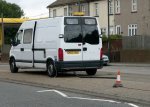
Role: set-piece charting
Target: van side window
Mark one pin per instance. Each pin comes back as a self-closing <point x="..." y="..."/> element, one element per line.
<point x="27" y="38"/>
<point x="18" y="37"/>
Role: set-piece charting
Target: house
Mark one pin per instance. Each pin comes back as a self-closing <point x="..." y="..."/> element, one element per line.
<point x="67" y="7"/>
<point x="134" y="17"/>
<point x="96" y="8"/>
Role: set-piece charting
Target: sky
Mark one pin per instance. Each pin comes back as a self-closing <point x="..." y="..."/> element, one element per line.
<point x="33" y="8"/>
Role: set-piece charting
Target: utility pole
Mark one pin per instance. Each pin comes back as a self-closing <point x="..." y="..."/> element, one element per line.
<point x="79" y="6"/>
<point x="108" y="29"/>
<point x="2" y="31"/>
<point x="2" y="24"/>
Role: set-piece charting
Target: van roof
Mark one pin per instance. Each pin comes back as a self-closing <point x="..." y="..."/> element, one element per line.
<point x="55" y="17"/>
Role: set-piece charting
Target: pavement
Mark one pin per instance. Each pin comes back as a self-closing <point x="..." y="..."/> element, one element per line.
<point x="131" y="64"/>
<point x="134" y="91"/>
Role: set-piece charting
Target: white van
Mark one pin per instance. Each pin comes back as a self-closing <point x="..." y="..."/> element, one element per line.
<point x="58" y="44"/>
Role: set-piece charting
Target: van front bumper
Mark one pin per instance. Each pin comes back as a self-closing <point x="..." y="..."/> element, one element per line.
<point x="78" y="65"/>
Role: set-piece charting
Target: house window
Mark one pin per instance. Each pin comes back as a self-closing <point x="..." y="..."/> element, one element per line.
<point x="117" y="6"/>
<point x="132" y="29"/>
<point x="70" y="11"/>
<point x="83" y="8"/>
<point x="65" y="12"/>
<point x="118" y="29"/>
<point x="96" y="9"/>
<point x="111" y="30"/>
<point x="134" y="5"/>
<point x="111" y="7"/>
<point x="54" y="13"/>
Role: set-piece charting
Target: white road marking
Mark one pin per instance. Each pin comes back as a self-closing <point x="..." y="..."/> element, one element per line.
<point x="56" y="91"/>
<point x="133" y="105"/>
<point x="80" y="98"/>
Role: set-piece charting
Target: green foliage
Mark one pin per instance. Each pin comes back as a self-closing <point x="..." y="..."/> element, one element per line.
<point x="111" y="37"/>
<point x="104" y="38"/>
<point x="9" y="34"/>
<point x="10" y="10"/>
<point x="114" y="37"/>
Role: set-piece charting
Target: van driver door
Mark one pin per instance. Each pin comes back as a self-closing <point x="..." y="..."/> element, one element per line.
<point x="26" y="50"/>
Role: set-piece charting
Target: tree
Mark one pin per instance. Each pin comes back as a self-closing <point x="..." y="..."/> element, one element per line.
<point x="10" y="10"/>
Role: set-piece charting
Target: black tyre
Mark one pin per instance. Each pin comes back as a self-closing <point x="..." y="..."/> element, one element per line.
<point x="91" y="71"/>
<point x="51" y="69"/>
<point x="13" y="67"/>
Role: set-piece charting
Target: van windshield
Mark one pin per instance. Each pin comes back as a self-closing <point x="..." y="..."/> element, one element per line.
<point x="85" y="31"/>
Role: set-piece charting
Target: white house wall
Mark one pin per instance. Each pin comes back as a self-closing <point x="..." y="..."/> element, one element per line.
<point x="59" y="11"/>
<point x="103" y="14"/>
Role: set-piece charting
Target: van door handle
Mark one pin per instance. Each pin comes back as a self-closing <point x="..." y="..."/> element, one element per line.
<point x="84" y="48"/>
<point x="21" y="49"/>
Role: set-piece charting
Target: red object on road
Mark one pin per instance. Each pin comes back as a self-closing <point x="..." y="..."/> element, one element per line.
<point x="118" y="81"/>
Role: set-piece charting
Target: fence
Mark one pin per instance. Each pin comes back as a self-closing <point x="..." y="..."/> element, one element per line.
<point x="115" y="47"/>
<point x="136" y="43"/>
<point x="135" y="49"/>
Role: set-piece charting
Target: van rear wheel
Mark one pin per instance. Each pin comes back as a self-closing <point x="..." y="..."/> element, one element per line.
<point x="13" y="67"/>
<point x="91" y="71"/>
<point x="51" y="69"/>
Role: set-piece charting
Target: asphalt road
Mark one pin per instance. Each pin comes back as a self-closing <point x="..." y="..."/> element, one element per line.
<point x="16" y="95"/>
<point x="134" y="78"/>
<point x="131" y="69"/>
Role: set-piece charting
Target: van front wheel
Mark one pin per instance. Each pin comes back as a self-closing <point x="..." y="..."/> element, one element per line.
<point x="51" y="69"/>
<point x="91" y="71"/>
<point x="13" y="67"/>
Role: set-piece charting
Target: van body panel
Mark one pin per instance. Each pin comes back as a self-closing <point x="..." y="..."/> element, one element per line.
<point x="72" y="52"/>
<point x="46" y="41"/>
<point x="16" y="53"/>
<point x="78" y="37"/>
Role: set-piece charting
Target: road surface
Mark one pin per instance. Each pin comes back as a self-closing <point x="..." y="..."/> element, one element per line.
<point x="136" y="85"/>
<point x="16" y="95"/>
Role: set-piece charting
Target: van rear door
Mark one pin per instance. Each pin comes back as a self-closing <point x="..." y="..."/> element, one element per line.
<point x="81" y="41"/>
<point x="91" y="40"/>
<point x="72" y="39"/>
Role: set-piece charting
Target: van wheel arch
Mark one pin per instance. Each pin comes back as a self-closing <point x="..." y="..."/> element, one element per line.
<point x="50" y="68"/>
<point x="12" y="63"/>
<point x="49" y="60"/>
<point x="11" y="58"/>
